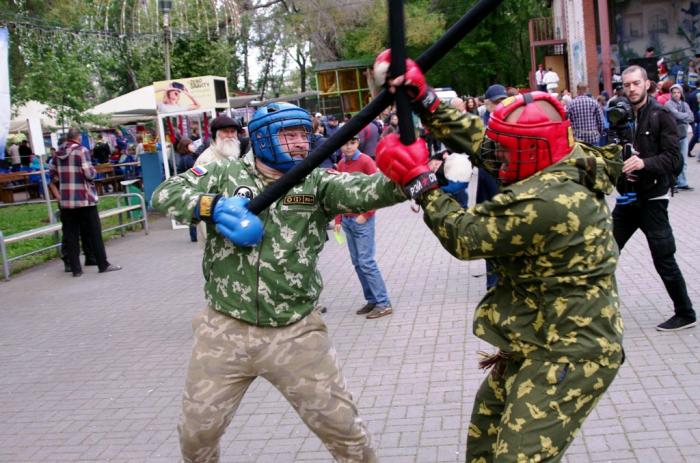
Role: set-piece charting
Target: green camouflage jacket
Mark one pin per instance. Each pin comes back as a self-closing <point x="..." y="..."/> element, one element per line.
<point x="275" y="283"/>
<point x="550" y="240"/>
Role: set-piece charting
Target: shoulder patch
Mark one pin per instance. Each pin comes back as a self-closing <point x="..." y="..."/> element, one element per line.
<point x="508" y="101"/>
<point x="199" y="170"/>
<point x="244" y="192"/>
<point x="299" y="199"/>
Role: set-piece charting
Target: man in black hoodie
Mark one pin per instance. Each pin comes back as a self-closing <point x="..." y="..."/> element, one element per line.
<point x="648" y="172"/>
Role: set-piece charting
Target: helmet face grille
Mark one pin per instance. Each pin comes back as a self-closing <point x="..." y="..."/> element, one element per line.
<point x="515" y="157"/>
<point x="282" y="145"/>
<point x="280" y="136"/>
<point x="492" y="161"/>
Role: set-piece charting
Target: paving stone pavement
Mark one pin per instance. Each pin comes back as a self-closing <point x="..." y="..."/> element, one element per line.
<point x="92" y="369"/>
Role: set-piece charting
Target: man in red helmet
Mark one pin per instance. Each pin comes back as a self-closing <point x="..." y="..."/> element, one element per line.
<point x="554" y="313"/>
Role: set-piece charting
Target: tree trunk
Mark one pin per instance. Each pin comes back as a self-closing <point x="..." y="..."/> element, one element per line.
<point x="245" y="31"/>
<point x="301" y="62"/>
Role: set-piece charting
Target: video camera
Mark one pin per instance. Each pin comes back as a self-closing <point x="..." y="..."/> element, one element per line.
<point x="620" y="132"/>
<point x="620" y="117"/>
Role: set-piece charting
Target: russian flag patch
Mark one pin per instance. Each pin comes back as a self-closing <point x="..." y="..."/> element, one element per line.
<point x="198" y="170"/>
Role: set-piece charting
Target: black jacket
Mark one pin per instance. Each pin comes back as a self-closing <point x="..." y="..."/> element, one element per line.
<point x="656" y="139"/>
<point x="101" y="152"/>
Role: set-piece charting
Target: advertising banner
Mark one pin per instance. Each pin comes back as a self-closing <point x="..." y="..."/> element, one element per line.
<point x="178" y="95"/>
<point x="4" y="90"/>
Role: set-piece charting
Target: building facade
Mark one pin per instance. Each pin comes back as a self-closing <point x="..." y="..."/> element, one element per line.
<point x="590" y="38"/>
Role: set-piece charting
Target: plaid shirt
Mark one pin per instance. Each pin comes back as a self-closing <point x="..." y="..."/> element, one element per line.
<point x="586" y="119"/>
<point x="73" y="169"/>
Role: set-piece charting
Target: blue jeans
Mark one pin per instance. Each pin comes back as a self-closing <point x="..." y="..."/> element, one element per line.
<point x="683" y="149"/>
<point x="361" y="246"/>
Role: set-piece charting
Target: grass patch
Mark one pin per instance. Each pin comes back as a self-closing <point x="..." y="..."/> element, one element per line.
<point x="21" y="217"/>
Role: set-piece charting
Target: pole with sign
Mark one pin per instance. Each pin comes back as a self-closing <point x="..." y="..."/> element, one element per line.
<point x="36" y="140"/>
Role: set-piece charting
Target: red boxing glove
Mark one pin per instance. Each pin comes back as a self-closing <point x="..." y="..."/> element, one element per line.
<point x="406" y="165"/>
<point x="416" y="86"/>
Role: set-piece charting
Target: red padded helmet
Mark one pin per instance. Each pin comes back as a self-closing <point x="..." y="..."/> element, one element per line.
<point x="531" y="132"/>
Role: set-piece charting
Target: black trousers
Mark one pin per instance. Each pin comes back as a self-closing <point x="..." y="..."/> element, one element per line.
<point x="652" y="218"/>
<point x="87" y="219"/>
<point x="84" y="241"/>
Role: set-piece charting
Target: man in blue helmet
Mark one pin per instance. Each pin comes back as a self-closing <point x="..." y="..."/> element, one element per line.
<point x="262" y="284"/>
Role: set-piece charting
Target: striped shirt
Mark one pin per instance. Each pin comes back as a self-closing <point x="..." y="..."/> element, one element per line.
<point x="73" y="169"/>
<point x="586" y="119"/>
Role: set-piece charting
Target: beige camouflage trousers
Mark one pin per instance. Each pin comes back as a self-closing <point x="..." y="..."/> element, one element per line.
<point x="529" y="411"/>
<point x="299" y="360"/>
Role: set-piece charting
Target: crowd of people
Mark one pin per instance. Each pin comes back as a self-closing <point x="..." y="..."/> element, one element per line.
<point x="20" y="157"/>
<point x="676" y="89"/>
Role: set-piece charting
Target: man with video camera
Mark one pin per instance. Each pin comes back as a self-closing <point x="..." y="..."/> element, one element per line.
<point x="651" y="161"/>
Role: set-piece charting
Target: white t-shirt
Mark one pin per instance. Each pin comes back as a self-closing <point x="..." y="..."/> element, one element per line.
<point x="14" y="154"/>
<point x="551" y="80"/>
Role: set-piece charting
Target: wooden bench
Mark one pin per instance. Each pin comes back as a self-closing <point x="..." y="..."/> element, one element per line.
<point x="55" y="228"/>
<point x="110" y="178"/>
<point x="14" y="182"/>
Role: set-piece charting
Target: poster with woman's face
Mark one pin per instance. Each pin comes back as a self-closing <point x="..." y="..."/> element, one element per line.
<point x="188" y="94"/>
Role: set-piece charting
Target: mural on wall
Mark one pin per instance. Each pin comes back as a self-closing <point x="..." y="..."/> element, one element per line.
<point x="671" y="27"/>
<point x="689" y="27"/>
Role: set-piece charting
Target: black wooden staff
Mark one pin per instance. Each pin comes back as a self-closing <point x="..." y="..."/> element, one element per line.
<point x="425" y="61"/>
<point x="407" y="133"/>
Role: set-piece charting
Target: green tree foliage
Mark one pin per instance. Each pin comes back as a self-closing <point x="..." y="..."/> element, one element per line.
<point x="53" y="59"/>
<point x="56" y="75"/>
<point x="423" y="27"/>
<point x="497" y="51"/>
<point x="73" y="54"/>
<point x="199" y="56"/>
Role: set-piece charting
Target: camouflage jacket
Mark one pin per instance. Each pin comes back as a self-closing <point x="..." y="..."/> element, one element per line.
<point x="275" y="283"/>
<point x="550" y="240"/>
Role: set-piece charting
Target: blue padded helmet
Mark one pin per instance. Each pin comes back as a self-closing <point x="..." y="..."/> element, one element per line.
<point x="264" y="130"/>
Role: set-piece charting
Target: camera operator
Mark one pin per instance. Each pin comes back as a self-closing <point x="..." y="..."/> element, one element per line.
<point x="649" y="170"/>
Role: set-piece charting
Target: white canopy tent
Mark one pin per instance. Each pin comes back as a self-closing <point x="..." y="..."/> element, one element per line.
<point x="139" y="105"/>
<point x="34" y="110"/>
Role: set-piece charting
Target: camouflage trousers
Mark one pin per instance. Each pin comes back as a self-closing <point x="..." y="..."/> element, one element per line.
<point x="527" y="411"/>
<point x="299" y="360"/>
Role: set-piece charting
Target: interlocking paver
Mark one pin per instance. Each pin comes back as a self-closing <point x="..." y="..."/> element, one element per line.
<point x="92" y="369"/>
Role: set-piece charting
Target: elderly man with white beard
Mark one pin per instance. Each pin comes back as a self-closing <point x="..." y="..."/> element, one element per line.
<point x="225" y="144"/>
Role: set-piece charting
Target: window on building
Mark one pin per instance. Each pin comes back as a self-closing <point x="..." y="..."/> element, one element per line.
<point x="658" y="22"/>
<point x="344" y="90"/>
<point x="348" y="79"/>
<point x="634" y="22"/>
<point x="327" y="82"/>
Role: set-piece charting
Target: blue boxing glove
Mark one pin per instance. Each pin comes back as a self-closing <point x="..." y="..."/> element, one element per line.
<point x="232" y="218"/>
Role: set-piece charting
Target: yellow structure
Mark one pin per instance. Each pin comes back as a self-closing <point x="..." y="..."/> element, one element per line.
<point x="343" y="87"/>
